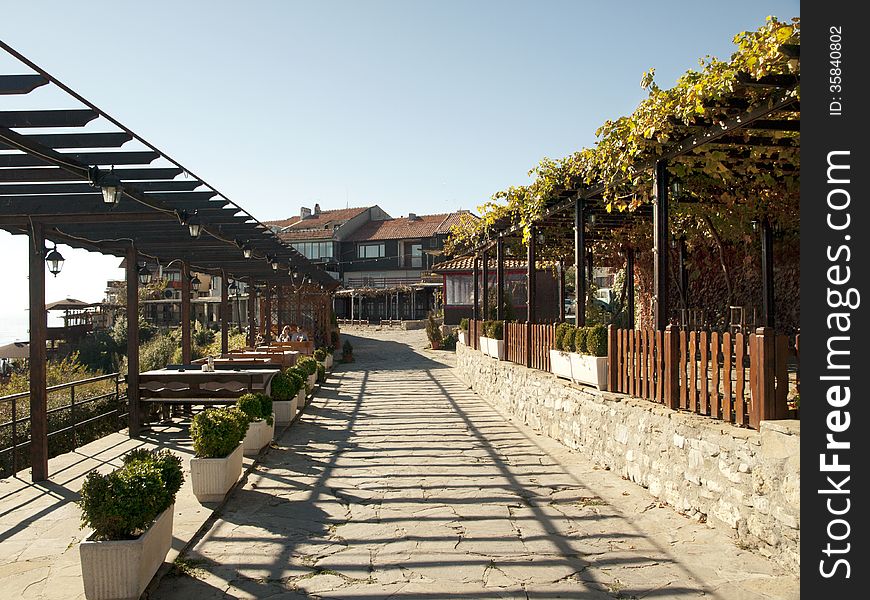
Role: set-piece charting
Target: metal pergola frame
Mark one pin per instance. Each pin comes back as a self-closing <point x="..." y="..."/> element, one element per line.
<point x="52" y="163"/>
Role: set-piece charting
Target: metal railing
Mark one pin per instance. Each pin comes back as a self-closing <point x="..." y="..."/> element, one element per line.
<point x="73" y="418"/>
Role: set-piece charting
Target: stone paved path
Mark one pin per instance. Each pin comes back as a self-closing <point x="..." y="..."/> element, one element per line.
<point x="401" y="483"/>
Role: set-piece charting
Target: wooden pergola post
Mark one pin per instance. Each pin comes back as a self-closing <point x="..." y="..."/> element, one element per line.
<point x="661" y="238"/>
<point x="252" y="317"/>
<point x="38" y="332"/>
<point x="475" y="311"/>
<point x="499" y="279"/>
<point x="279" y="300"/>
<point x="579" y="263"/>
<point x="225" y="321"/>
<point x="561" y="268"/>
<point x="485" y="275"/>
<point x="267" y="308"/>
<point x="768" y="306"/>
<point x="629" y="281"/>
<point x="531" y="296"/>
<point x="185" y="314"/>
<point x="134" y="416"/>
<point x="684" y="272"/>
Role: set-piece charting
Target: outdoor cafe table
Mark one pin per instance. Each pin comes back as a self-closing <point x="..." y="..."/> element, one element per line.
<point x="286" y="358"/>
<point x="190" y="385"/>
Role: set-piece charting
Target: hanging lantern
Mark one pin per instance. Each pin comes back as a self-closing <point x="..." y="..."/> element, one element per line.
<point x="54" y="260"/>
<point x="144" y="275"/>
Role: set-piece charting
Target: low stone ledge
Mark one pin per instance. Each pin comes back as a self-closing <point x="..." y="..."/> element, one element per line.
<point x="742" y="479"/>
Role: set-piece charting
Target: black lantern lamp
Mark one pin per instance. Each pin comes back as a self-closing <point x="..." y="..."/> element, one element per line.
<point x="194" y="281"/>
<point x="109" y="185"/>
<point x="144" y="275"/>
<point x="54" y="260"/>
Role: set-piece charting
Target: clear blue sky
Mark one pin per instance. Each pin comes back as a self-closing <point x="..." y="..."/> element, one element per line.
<point x="415" y="106"/>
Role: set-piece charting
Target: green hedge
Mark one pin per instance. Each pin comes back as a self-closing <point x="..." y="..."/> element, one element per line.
<point x="216" y="432"/>
<point x="590" y="340"/>
<point x="124" y="503"/>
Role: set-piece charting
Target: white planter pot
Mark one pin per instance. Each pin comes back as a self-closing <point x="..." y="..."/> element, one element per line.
<point x="123" y="569"/>
<point x="312" y="380"/>
<point x="328" y="362"/>
<point x="212" y="478"/>
<point x="463" y="338"/>
<point x="591" y="370"/>
<point x="301" y="399"/>
<point x="560" y="364"/>
<point x="258" y="437"/>
<point x="285" y="410"/>
<point x="492" y="347"/>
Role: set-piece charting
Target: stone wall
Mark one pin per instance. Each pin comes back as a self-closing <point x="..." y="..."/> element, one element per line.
<point x="745" y="480"/>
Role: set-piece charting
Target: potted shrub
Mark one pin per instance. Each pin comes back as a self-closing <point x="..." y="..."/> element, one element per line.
<point x="433" y="332"/>
<point x="347" y="352"/>
<point x="463" y="332"/>
<point x="493" y="343"/>
<point x="130" y="511"/>
<point x="321" y="373"/>
<point x="217" y="434"/>
<point x="589" y="360"/>
<point x="261" y="425"/>
<point x="309" y="366"/>
<point x="300" y="379"/>
<point x="285" y="400"/>
<point x="560" y="360"/>
<point x="322" y="356"/>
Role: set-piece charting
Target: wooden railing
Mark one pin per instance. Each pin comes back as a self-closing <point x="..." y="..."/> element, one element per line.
<point x="742" y="379"/>
<point x="733" y="377"/>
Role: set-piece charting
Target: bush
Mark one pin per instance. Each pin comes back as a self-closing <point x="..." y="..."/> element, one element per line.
<point x="449" y="342"/>
<point x="497" y="330"/>
<point x="158" y="352"/>
<point x="97" y="351"/>
<point x="580" y="339"/>
<point x="596" y="340"/>
<point x="124" y="503"/>
<point x="256" y="406"/>
<point x="216" y="432"/>
<point x="203" y="337"/>
<point x="433" y="332"/>
<point x="298" y="378"/>
<point x="463" y="325"/>
<point x="568" y="339"/>
<point x="307" y="364"/>
<point x="321" y="373"/>
<point x="561" y="330"/>
<point x="166" y="461"/>
<point x="283" y="386"/>
<point x="320" y="354"/>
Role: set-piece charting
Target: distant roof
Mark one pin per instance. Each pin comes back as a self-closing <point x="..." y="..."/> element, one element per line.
<point x="69" y="304"/>
<point x="465" y="263"/>
<point x="420" y="226"/>
<point x="323" y="220"/>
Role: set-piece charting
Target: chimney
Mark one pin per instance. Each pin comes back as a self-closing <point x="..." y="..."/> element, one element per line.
<point x="412" y="216"/>
<point x="316" y="209"/>
<point x="305" y="213"/>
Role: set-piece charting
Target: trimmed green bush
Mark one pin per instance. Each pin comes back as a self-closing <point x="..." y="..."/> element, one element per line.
<point x="568" y="339"/>
<point x="320" y="354"/>
<point x="580" y="339"/>
<point x="298" y="378"/>
<point x="307" y="364"/>
<point x="124" y="503"/>
<point x="250" y="405"/>
<point x="497" y="330"/>
<point x="265" y="407"/>
<point x="321" y="373"/>
<point x="463" y="325"/>
<point x="596" y="340"/>
<point x="282" y="387"/>
<point x="347" y="348"/>
<point x="561" y="329"/>
<point x="216" y="432"/>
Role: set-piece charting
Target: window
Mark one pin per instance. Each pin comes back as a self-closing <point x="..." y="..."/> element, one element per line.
<point x="315" y="250"/>
<point x="370" y="251"/>
<point x="416" y="256"/>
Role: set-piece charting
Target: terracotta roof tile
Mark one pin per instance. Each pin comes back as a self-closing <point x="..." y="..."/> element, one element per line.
<point x="325" y="219"/>
<point x="422" y="226"/>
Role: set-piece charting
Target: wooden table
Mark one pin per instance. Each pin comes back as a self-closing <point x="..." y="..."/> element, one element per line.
<point x="189" y="385"/>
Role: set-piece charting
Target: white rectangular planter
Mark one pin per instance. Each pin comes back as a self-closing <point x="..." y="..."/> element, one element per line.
<point x="560" y="364"/>
<point x="312" y="380"/>
<point x="258" y="437"/>
<point x="591" y="370"/>
<point x="301" y="399"/>
<point x="328" y="362"/>
<point x="463" y="338"/>
<point x="123" y="569"/>
<point x="212" y="478"/>
<point x="285" y="410"/>
<point x="492" y="347"/>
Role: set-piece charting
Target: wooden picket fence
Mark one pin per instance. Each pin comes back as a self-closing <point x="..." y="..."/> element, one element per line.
<point x="516" y="341"/>
<point x="741" y="379"/>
